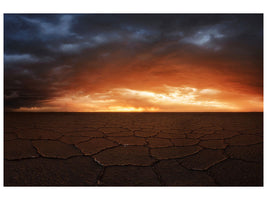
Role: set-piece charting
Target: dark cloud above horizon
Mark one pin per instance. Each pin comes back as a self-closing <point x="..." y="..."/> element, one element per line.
<point x="51" y="56"/>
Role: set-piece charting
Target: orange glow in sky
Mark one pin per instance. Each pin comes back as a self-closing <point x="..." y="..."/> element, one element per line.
<point x="172" y="99"/>
<point x="133" y="63"/>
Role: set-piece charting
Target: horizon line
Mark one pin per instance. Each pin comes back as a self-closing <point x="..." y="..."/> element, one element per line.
<point x="134" y="112"/>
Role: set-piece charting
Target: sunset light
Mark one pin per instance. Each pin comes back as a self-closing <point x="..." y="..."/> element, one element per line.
<point x="128" y="100"/>
<point x="133" y="100"/>
<point x="133" y="65"/>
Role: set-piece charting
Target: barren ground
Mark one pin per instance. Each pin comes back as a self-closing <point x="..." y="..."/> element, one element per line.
<point x="133" y="149"/>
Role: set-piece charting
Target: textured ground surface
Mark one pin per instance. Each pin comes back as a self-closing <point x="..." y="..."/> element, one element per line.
<point x="133" y="149"/>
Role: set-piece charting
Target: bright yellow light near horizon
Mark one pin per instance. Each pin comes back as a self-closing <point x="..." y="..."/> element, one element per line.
<point x="129" y="100"/>
<point x="131" y="109"/>
<point x="124" y="109"/>
<point x="176" y="96"/>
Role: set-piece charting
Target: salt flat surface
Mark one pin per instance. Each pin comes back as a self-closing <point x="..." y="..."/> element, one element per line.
<point x="133" y="149"/>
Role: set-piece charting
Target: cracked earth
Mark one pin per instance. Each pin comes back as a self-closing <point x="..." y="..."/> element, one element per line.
<point x="133" y="149"/>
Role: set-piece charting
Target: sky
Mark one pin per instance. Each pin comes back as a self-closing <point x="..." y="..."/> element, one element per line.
<point x="133" y="62"/>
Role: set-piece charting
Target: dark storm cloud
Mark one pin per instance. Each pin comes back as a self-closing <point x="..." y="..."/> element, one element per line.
<point x="47" y="55"/>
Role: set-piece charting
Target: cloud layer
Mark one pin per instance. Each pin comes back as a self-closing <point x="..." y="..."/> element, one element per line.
<point x="113" y="62"/>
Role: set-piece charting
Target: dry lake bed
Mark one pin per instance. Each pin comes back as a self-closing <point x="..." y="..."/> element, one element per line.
<point x="133" y="149"/>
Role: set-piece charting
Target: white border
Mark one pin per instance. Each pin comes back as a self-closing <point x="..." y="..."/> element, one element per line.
<point x="134" y="6"/>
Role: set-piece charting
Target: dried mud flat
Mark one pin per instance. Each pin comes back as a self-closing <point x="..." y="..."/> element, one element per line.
<point x="133" y="149"/>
